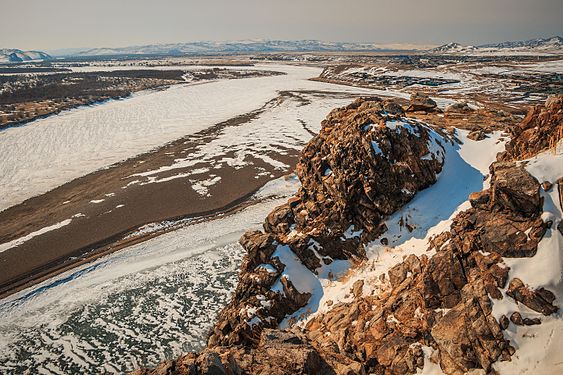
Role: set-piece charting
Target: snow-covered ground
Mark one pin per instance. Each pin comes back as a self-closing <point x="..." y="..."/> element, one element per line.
<point x="539" y="347"/>
<point x="49" y="152"/>
<point x="472" y="85"/>
<point x="282" y="127"/>
<point x="107" y="314"/>
<point x="19" y="241"/>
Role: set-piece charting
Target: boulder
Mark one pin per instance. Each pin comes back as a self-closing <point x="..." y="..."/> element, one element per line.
<point x="513" y="188"/>
<point x="392" y="107"/>
<point x="458" y="107"/>
<point x="477" y="135"/>
<point x="540" y="300"/>
<point x="421" y="102"/>
<point x="468" y="336"/>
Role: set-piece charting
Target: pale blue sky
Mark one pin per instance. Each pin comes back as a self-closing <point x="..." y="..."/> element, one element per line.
<point x="52" y="24"/>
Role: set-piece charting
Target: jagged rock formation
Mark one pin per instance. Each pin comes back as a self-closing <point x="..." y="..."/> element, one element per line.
<point x="361" y="167"/>
<point x="540" y="130"/>
<point x="439" y="301"/>
<point x="278" y="352"/>
<point x="459" y="108"/>
<point x="462" y="276"/>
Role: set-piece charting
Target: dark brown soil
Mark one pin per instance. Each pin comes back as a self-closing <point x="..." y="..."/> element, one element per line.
<point x="103" y="227"/>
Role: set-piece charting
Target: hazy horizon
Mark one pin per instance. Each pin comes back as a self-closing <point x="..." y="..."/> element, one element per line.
<point x="65" y="24"/>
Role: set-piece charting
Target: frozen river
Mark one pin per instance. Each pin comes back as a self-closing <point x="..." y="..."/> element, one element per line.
<point x="139" y="306"/>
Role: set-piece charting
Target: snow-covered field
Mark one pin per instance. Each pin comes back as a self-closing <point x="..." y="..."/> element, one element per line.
<point x="281" y="128"/>
<point x="49" y="152"/>
<point x="88" y="320"/>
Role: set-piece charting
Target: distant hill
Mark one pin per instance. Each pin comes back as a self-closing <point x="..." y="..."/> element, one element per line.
<point x="540" y="45"/>
<point x="16" y="55"/>
<point x="453" y="48"/>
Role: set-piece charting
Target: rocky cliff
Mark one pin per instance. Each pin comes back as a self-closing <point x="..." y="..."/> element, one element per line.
<point x="446" y="307"/>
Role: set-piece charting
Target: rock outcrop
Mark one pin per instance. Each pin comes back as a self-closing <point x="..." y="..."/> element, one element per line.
<point x="421" y="102"/>
<point x="363" y="165"/>
<point x="278" y="352"/>
<point x="444" y="301"/>
<point x="461" y="107"/>
<point x="540" y="130"/>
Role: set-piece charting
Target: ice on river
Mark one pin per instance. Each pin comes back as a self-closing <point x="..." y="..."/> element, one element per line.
<point x="136" y="307"/>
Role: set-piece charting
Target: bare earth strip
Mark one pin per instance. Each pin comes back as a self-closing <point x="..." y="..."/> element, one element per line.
<point x="197" y="176"/>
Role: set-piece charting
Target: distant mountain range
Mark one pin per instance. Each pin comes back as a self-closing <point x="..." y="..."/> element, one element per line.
<point x="538" y="45"/>
<point x="553" y="44"/>
<point x="532" y="46"/>
<point x="542" y="43"/>
<point x="16" y="55"/>
<point x="247" y="46"/>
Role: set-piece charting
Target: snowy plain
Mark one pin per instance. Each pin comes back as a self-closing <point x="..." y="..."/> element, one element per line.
<point x="49" y="152"/>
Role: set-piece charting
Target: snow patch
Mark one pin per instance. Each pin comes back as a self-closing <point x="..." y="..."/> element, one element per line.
<point x="14" y="243"/>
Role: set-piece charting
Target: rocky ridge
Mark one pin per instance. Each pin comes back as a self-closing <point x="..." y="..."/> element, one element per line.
<point x="364" y="164"/>
<point x="443" y="301"/>
<point x="437" y="306"/>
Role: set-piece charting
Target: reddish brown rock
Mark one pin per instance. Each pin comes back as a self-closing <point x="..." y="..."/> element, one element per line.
<point x="539" y="300"/>
<point x="477" y="135"/>
<point x="353" y="174"/>
<point x="443" y="280"/>
<point x="504" y="322"/>
<point x="480" y="199"/>
<point x="392" y="107"/>
<point x="382" y="333"/>
<point x="541" y="130"/>
<point x="459" y="108"/>
<point x="515" y="189"/>
<point x="468" y="336"/>
<point x="546" y="185"/>
<point x="278" y="352"/>
<point x="358" y="288"/>
<point x="421" y="102"/>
